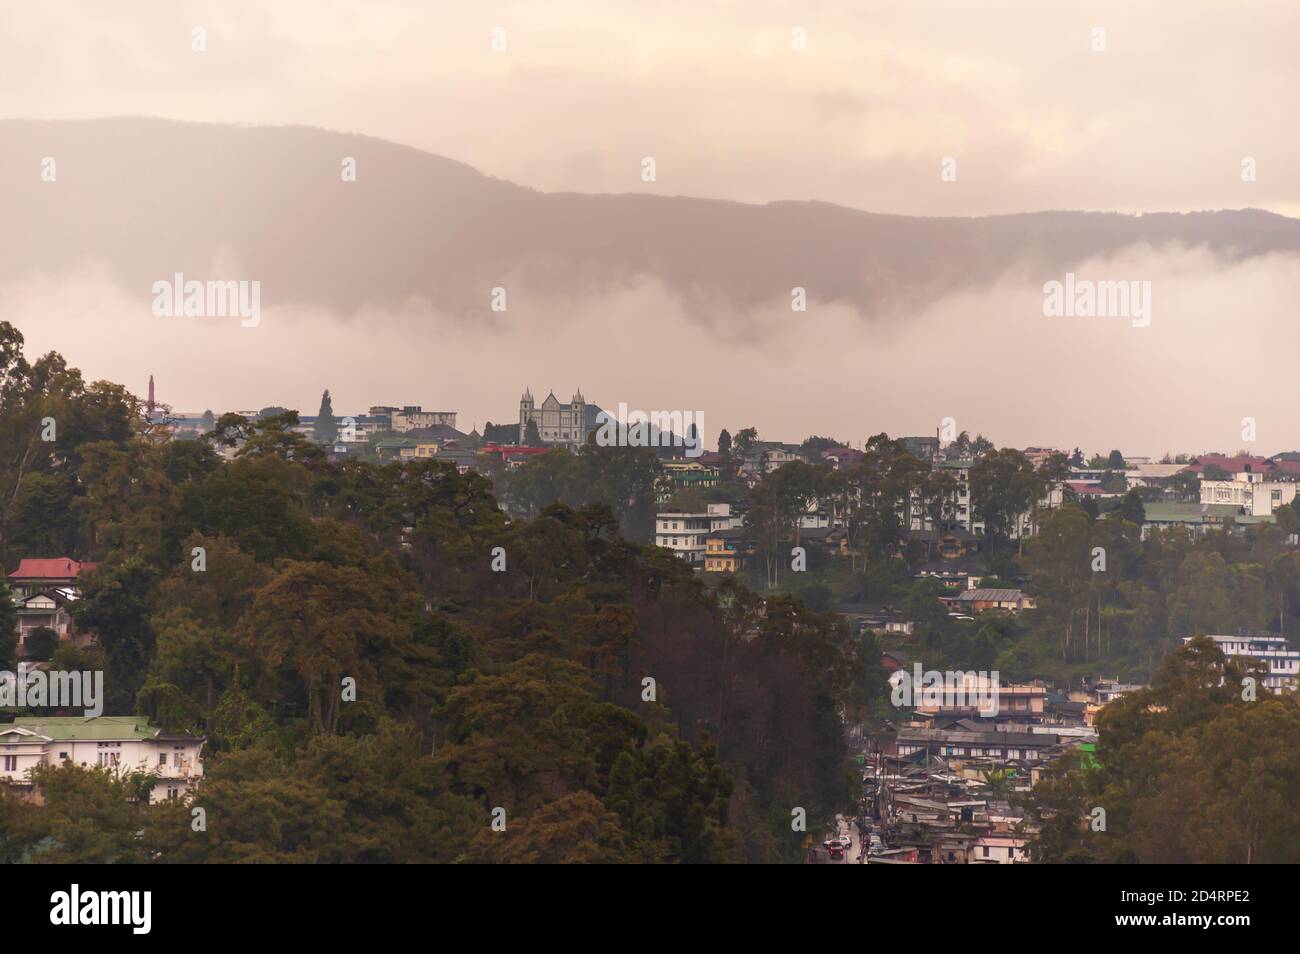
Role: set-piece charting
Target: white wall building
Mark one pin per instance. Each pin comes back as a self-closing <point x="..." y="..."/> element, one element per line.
<point x="1282" y="661"/>
<point x="684" y="533"/>
<point x="1256" y="496"/>
<point x="123" y="744"/>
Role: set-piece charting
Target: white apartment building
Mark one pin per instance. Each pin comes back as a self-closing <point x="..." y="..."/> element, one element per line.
<point x="962" y="508"/>
<point x="684" y="533"/>
<point x="1282" y="661"/>
<point x="123" y="744"/>
<point x="1252" y="493"/>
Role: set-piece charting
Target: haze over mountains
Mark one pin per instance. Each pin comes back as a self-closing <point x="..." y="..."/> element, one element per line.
<point x="658" y="301"/>
<point x="152" y="197"/>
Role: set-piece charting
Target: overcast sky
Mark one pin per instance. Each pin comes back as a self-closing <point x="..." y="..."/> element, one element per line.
<point x="1017" y="93"/>
<point x="715" y="91"/>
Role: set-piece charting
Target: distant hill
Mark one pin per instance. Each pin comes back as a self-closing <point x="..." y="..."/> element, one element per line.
<point x="150" y="197"/>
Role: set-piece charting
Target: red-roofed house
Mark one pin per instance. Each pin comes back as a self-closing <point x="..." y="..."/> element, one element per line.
<point x="44" y="591"/>
<point x="1245" y="464"/>
<point x="58" y="571"/>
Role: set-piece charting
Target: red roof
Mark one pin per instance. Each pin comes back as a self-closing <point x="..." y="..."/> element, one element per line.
<point x="1231" y="465"/>
<point x="1085" y="487"/>
<point x="58" y="568"/>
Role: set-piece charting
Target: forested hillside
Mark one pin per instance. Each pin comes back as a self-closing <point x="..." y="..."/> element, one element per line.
<point x="590" y="687"/>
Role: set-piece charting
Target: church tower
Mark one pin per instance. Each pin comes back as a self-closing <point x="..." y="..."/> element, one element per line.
<point x="578" y="405"/>
<point x="525" y="413"/>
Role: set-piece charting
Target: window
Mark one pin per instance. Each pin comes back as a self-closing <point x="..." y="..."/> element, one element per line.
<point x="11" y="763"/>
<point x="162" y="758"/>
<point x="63" y="756"/>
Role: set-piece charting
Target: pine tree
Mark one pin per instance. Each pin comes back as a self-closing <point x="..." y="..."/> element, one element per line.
<point x="327" y="428"/>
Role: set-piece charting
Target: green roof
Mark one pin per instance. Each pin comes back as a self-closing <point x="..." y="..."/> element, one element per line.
<point x="1158" y="512"/>
<point x="88" y="728"/>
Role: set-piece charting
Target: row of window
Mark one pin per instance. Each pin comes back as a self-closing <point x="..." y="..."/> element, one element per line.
<point x="106" y="759"/>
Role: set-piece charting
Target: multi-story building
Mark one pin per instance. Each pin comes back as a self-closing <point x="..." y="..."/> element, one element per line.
<point x="1022" y="703"/>
<point x="123" y="744"/>
<point x="415" y="418"/>
<point x="685" y="533"/>
<point x="1268" y="649"/>
<point x="687" y="473"/>
<point x="1254" y="494"/>
<point x="724" y="550"/>
<point x="960" y="512"/>
<point x="962" y="744"/>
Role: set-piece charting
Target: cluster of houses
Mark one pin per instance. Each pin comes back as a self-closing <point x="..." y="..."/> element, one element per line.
<point x="43" y="591"/>
<point x="945" y="783"/>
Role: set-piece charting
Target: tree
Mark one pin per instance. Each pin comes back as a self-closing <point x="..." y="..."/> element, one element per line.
<point x="8" y="628"/>
<point x="41" y="643"/>
<point x="1004" y="485"/>
<point x="532" y="437"/>
<point x="1162" y="759"/>
<point x="115" y="605"/>
<point x="724" y="442"/>
<point x="1131" y="508"/>
<point x="327" y="427"/>
<point x="1115" y="460"/>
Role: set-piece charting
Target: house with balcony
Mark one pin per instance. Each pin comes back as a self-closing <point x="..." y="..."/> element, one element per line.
<point x="121" y="744"/>
<point x="685" y="533"/>
<point x="44" y="592"/>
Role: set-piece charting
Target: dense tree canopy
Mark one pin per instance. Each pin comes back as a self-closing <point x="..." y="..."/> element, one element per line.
<point x="381" y="657"/>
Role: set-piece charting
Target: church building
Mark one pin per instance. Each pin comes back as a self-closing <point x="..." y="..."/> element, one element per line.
<point x="559" y="425"/>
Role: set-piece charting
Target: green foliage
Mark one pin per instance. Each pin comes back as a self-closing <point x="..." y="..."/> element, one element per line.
<point x="1188" y="772"/>
<point x="327" y="426"/>
<point x="475" y="689"/>
<point x="41" y="643"/>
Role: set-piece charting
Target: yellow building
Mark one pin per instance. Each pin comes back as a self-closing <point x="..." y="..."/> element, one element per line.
<point x="722" y="551"/>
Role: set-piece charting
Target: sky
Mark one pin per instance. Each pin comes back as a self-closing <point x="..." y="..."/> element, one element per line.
<point x="1129" y="106"/>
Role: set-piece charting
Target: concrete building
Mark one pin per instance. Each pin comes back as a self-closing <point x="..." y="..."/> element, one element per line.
<point x="122" y="744"/>
<point x="1254" y="495"/>
<point x="414" y="418"/>
<point x="1270" y="650"/>
<point x="686" y="533"/>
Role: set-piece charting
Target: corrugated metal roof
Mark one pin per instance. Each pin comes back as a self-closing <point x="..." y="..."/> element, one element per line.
<point x="993" y="595"/>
